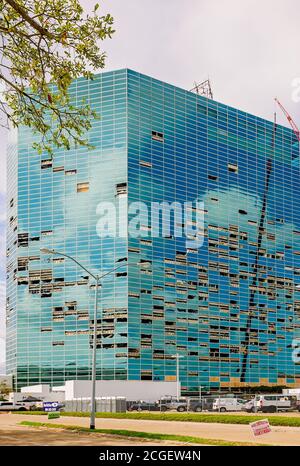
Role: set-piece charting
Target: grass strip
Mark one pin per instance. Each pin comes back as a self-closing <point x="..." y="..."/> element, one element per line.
<point x="143" y="435"/>
<point x="286" y="421"/>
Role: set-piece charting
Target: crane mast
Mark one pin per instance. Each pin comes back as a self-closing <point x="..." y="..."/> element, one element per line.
<point x="290" y="120"/>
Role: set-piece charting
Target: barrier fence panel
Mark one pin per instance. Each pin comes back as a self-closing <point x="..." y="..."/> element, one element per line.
<point x="103" y="405"/>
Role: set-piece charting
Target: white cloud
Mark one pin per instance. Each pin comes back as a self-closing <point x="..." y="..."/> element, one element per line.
<point x="247" y="48"/>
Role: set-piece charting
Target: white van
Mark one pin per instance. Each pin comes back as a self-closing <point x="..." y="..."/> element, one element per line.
<point x="228" y="404"/>
<point x="270" y="404"/>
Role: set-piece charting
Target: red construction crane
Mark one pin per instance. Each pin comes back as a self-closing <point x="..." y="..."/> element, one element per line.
<point x="290" y="120"/>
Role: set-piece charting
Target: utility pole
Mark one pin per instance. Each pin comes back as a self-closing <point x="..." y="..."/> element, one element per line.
<point x="178" y="356"/>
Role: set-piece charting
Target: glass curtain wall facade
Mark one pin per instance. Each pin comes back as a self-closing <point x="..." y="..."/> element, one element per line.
<point x="53" y="204"/>
<point x="229" y="309"/>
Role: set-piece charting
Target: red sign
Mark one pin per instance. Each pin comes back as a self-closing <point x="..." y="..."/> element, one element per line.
<point x="260" y="427"/>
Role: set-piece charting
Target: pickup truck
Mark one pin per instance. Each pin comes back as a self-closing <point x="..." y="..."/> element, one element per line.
<point x="8" y="406"/>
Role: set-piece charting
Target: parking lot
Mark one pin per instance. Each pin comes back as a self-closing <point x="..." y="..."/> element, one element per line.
<point x="267" y="403"/>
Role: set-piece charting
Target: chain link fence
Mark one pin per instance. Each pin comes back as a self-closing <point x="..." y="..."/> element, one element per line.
<point x="219" y="403"/>
<point x="103" y="405"/>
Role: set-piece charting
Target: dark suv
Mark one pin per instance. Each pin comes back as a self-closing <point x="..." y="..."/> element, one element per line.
<point x="143" y="406"/>
<point x="197" y="406"/>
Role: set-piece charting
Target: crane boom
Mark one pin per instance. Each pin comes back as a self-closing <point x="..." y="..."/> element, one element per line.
<point x="290" y="120"/>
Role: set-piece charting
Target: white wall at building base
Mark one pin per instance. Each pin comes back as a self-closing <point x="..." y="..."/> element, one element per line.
<point x="42" y="389"/>
<point x="132" y="390"/>
<point x="42" y="392"/>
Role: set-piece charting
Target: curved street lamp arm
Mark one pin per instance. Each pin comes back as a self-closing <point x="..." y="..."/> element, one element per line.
<point x="96" y="277"/>
<point x="76" y="262"/>
<point x="111" y="271"/>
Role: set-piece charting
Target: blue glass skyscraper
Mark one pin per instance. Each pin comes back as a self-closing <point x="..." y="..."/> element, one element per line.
<point x="228" y="305"/>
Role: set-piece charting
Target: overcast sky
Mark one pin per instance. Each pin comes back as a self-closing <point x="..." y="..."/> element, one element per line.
<point x="248" y="48"/>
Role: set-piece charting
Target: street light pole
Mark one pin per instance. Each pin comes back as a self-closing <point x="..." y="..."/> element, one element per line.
<point x="177" y="356"/>
<point x="177" y="376"/>
<point x="200" y="391"/>
<point x="97" y="279"/>
<point x="93" y="399"/>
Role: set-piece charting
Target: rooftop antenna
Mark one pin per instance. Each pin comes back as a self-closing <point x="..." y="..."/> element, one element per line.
<point x="203" y="88"/>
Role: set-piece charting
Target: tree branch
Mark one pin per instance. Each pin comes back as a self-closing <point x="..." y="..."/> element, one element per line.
<point x="22" y="12"/>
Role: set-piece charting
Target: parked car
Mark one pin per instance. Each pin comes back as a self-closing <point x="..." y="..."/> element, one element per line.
<point x="9" y="406"/>
<point x="32" y="403"/>
<point x="204" y="404"/>
<point x="174" y="403"/>
<point x="195" y="405"/>
<point x="181" y="406"/>
<point x="228" y="404"/>
<point x="144" y="406"/>
<point x="189" y="405"/>
<point x="252" y="406"/>
<point x="271" y="404"/>
<point x="36" y="407"/>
